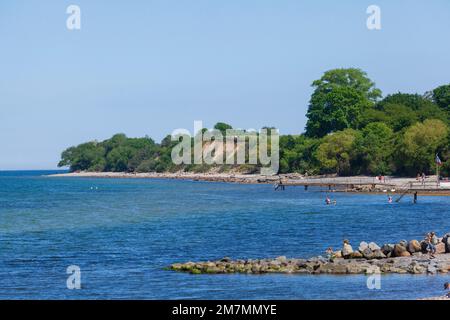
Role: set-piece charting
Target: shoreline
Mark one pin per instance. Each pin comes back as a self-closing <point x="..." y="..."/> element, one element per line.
<point x="352" y="184"/>
<point x="212" y="177"/>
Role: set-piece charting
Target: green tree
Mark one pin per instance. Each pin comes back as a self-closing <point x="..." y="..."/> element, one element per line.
<point x="419" y="144"/>
<point x="441" y="96"/>
<point x="335" y="151"/>
<point x="87" y="156"/>
<point x="339" y="100"/>
<point x="374" y="148"/>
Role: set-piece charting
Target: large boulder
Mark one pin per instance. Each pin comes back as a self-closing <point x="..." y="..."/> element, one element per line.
<point x="405" y="254"/>
<point x="423" y="246"/>
<point x="414" y="246"/>
<point x="362" y="246"/>
<point x="367" y="253"/>
<point x="446" y="241"/>
<point x="378" y="254"/>
<point x="440" y="248"/>
<point x="399" y="250"/>
<point x="373" y="246"/>
<point x="387" y="249"/>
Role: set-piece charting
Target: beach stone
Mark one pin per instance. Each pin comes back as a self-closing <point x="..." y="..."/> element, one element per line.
<point x="355" y="255"/>
<point x="423" y="246"/>
<point x="399" y="250"/>
<point x="387" y="249"/>
<point x="405" y="254"/>
<point x="440" y="248"/>
<point x="446" y="241"/>
<point x="367" y="253"/>
<point x="416" y="268"/>
<point x="414" y="246"/>
<point x="362" y="246"/>
<point x="225" y="259"/>
<point x="378" y="254"/>
<point x="281" y="258"/>
<point x="373" y="246"/>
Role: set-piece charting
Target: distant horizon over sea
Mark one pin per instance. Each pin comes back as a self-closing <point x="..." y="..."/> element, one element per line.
<point x="123" y="233"/>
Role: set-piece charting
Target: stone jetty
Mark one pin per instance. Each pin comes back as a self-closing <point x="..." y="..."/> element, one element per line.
<point x="404" y="257"/>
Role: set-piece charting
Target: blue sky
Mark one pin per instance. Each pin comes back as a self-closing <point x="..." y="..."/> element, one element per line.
<point x="148" y="67"/>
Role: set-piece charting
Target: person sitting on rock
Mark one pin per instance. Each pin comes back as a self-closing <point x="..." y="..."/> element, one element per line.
<point x="431" y="247"/>
<point x="347" y="249"/>
<point x="329" y="253"/>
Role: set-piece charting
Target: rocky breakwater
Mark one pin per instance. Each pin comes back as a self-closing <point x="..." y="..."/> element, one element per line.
<point x="404" y="257"/>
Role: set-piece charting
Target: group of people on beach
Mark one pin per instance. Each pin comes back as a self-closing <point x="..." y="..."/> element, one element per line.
<point x="421" y="177"/>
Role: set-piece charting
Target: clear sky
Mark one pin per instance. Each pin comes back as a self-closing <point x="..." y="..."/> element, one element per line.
<point x="148" y="67"/>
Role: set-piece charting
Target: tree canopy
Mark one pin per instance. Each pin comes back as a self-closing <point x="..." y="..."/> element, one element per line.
<point x="339" y="100"/>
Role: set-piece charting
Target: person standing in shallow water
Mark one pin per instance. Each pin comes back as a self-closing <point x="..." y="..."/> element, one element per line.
<point x="447" y="288"/>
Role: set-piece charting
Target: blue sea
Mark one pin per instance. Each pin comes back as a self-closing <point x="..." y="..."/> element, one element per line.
<point x="122" y="233"/>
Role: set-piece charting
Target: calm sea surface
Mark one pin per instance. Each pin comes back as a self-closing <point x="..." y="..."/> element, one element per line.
<point x="123" y="232"/>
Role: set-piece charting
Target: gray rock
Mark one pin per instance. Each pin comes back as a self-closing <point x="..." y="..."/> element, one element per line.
<point x="378" y="254"/>
<point x="373" y="246"/>
<point x="362" y="246"/>
<point x="387" y="248"/>
<point x="367" y="253"/>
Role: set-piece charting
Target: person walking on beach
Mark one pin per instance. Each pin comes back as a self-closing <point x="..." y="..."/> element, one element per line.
<point x="423" y="178"/>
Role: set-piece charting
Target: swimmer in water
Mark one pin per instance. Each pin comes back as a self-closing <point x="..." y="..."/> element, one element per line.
<point x="390" y="199"/>
<point x="327" y="200"/>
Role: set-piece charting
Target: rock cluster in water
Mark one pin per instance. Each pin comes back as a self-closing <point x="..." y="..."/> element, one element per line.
<point x="403" y="257"/>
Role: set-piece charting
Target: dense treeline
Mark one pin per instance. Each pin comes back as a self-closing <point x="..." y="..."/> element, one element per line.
<point x="350" y="130"/>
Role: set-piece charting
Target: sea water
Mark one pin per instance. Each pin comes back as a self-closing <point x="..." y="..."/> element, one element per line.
<point x="122" y="233"/>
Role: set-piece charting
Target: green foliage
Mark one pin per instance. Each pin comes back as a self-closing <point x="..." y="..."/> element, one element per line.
<point x="334" y="153"/>
<point x="441" y="96"/>
<point x="373" y="150"/>
<point x="419" y="144"/>
<point x="87" y="156"/>
<point x="339" y="100"/>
